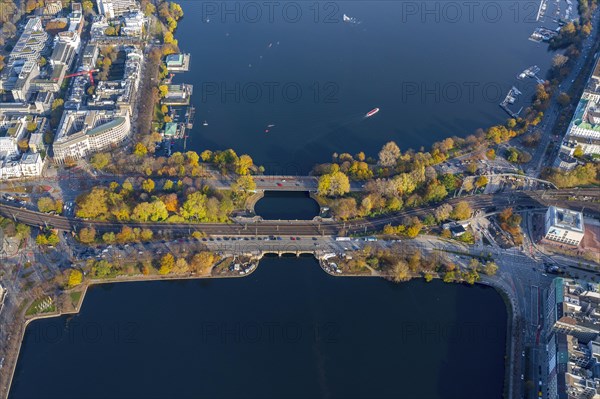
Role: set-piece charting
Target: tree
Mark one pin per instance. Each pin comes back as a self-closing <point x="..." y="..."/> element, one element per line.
<point x="75" y="278"/>
<point x="563" y="99"/>
<point x="194" y="207"/>
<point x="490" y="268"/>
<point x="167" y="262"/>
<point x="400" y="271"/>
<point x="168" y="185"/>
<point x="578" y="152"/>
<point x="23" y="145"/>
<point x="243" y="165"/>
<point x="442" y="212"/>
<point x="244" y="184"/>
<point x="171" y="202"/>
<point x="87" y="235"/>
<point x="559" y="60"/>
<point x="181" y="266"/>
<point x="202" y="261"/>
<point x="344" y="208"/>
<point x="148" y="185"/>
<point x="93" y="204"/>
<point x="333" y="184"/>
<point x="163" y="90"/>
<point x="140" y="150"/>
<point x="109" y="238"/>
<point x="100" y="160"/>
<point x="389" y="154"/>
<point x="46" y="204"/>
<point x="481" y="181"/>
<point x="462" y="211"/>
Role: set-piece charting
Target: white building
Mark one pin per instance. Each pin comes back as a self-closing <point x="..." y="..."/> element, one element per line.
<point x="584" y="130"/>
<point x="564" y="226"/>
<point x="116" y="8"/>
<point x="105" y="7"/>
<point x="31" y="164"/>
<point x="81" y="133"/>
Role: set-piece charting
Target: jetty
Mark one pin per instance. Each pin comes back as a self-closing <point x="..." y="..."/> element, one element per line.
<point x="510" y="98"/>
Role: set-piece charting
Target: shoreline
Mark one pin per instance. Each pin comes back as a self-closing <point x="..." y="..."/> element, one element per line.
<point x="6" y="386"/>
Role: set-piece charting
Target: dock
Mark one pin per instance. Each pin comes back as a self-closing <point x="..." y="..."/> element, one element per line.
<point x="510" y="98"/>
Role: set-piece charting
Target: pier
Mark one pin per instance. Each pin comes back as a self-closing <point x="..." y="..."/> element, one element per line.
<point x="510" y="98"/>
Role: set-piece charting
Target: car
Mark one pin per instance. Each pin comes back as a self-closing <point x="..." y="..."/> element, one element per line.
<point x="293" y="238"/>
<point x="523" y="353"/>
<point x="522" y="377"/>
<point x="279" y="185"/>
<point x="314" y="238"/>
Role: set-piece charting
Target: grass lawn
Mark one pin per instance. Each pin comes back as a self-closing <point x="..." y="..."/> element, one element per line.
<point x="40" y="306"/>
<point x="75" y="296"/>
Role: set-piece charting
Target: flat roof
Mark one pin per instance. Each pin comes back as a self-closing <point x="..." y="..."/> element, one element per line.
<point x="567" y="219"/>
<point x="106" y="126"/>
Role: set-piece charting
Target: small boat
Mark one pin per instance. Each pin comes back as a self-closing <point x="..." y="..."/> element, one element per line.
<point x="270" y="126"/>
<point x="205" y="123"/>
<point x="372" y="112"/>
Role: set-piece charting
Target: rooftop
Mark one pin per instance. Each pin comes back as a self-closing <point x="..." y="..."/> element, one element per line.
<point x="567" y="219"/>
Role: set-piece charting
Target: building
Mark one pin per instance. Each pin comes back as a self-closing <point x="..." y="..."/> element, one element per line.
<point x="133" y="24"/>
<point x="52" y="7"/>
<point x="31" y="164"/>
<point x="90" y="56"/>
<point x="584" y="130"/>
<point x="177" y="62"/>
<point x="170" y="130"/>
<point x="178" y="94"/>
<point x="105" y="7"/>
<point x="116" y="8"/>
<point x="564" y="226"/>
<point x="32" y="42"/>
<point x="81" y="133"/>
<point x="592" y="89"/>
<point x="573" y="345"/>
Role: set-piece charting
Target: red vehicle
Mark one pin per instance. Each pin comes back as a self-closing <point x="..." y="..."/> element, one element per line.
<point x="279" y="185"/>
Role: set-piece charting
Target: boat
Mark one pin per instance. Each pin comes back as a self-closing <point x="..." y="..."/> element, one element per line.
<point x="372" y="112"/>
<point x="269" y="126"/>
<point x="205" y="123"/>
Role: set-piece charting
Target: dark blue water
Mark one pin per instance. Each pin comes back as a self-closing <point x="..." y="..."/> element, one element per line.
<point x="435" y="71"/>
<point x="287" y="331"/>
<point x="287" y="205"/>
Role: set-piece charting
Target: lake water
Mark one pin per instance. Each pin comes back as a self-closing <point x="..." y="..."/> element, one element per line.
<point x="287" y="205"/>
<point x="289" y="330"/>
<point x="434" y="69"/>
